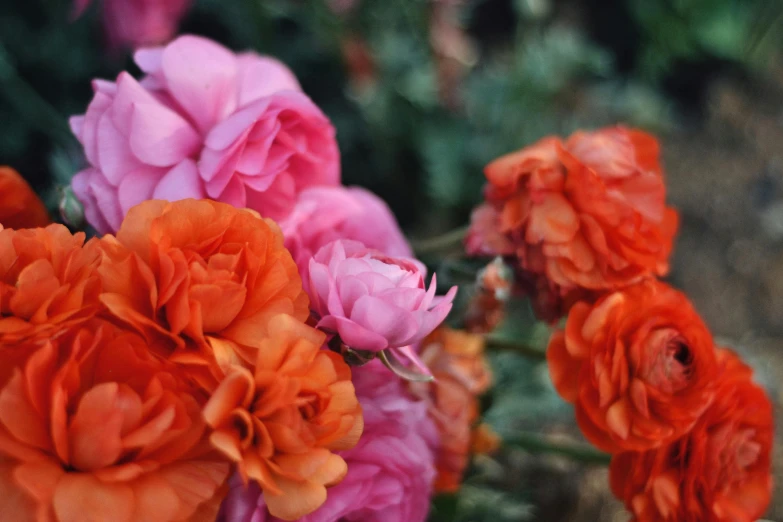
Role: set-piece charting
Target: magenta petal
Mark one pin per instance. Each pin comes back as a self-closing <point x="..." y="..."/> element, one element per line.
<point x="138" y="187"/>
<point x="115" y="158"/>
<point x="352" y="334"/>
<point x="89" y="135"/>
<point x="202" y="77"/>
<point x="181" y="182"/>
<point x="149" y="60"/>
<point x="236" y="126"/>
<point x="77" y="124"/>
<point x="261" y="76"/>
<point x="318" y="287"/>
<point x="406" y="298"/>
<point x="351" y="289"/>
<point x="160" y="136"/>
<point x="395" y="324"/>
<point x="101" y="207"/>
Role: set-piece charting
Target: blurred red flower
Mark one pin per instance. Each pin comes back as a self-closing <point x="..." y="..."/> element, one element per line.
<point x="20" y="207"/>
<point x="639" y="365"/>
<point x="581" y="217"/>
<point x="719" y="472"/>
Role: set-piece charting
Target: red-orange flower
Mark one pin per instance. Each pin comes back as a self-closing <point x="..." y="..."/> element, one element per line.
<point x="639" y="365"/>
<point x="20" y="207"/>
<point x="204" y="276"/>
<point x="719" y="472"/>
<point x="92" y="427"/>
<point x="48" y="283"/>
<point x="584" y="215"/>
<point x="456" y="359"/>
<point x="282" y="422"/>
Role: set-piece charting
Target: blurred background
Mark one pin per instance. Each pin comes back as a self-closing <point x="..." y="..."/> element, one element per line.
<point x="425" y="92"/>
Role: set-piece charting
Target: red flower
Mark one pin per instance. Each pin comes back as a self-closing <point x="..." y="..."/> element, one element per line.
<point x="584" y="216"/>
<point x="639" y="365"/>
<point x="93" y="427"/>
<point x="20" y="207"/>
<point x="719" y="472"/>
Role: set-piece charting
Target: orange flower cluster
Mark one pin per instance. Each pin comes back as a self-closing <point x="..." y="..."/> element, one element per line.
<point x="578" y="217"/>
<point x="139" y="369"/>
<point x="585" y="225"/>
<point x="456" y="359"/>
<point x="719" y="472"/>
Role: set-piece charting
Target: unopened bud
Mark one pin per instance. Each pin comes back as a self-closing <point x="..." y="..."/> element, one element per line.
<point x="71" y="210"/>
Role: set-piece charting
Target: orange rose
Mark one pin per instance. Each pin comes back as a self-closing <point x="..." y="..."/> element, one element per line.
<point x="461" y="372"/>
<point x="584" y="216"/>
<point x="639" y="365"/>
<point x="282" y="422"/>
<point x="48" y="283"/>
<point x="20" y="207"/>
<point x="93" y="427"/>
<point x="719" y="472"/>
<point x="202" y="275"/>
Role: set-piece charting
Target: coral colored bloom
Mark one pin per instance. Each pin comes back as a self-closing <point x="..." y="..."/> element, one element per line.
<point x="282" y="422"/>
<point x="390" y="471"/>
<point x="324" y="214"/>
<point x="639" y="365"/>
<point x="48" y="283"/>
<point x="204" y="276"/>
<point x="373" y="301"/>
<point x="20" y="207"/>
<point x="204" y="122"/>
<point x="584" y="215"/>
<point x="93" y="427"/>
<point x="134" y="23"/>
<point x="461" y="372"/>
<point x="719" y="472"/>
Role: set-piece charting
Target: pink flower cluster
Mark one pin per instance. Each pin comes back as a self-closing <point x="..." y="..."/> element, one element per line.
<point x="207" y="123"/>
<point x="203" y="122"/>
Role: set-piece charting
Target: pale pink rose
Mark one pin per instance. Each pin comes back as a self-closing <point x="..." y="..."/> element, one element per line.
<point x="390" y="471"/>
<point x="374" y="302"/>
<point x="134" y="23"/>
<point x="163" y="137"/>
<point x="324" y="214"/>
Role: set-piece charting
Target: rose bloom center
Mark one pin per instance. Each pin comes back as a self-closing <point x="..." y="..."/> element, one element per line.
<point x="667" y="361"/>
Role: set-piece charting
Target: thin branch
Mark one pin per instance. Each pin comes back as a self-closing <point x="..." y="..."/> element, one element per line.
<point x="503" y="344"/>
<point x="537" y="444"/>
<point x="448" y="241"/>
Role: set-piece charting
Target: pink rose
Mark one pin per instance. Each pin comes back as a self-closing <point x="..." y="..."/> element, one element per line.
<point x="323" y="214"/>
<point x="390" y="471"/>
<point x="134" y="23"/>
<point x="204" y="122"/>
<point x="374" y="302"/>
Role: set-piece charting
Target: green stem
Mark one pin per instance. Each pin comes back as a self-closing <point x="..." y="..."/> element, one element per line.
<point x="30" y="105"/>
<point x="510" y="345"/>
<point x="448" y="241"/>
<point x="534" y="443"/>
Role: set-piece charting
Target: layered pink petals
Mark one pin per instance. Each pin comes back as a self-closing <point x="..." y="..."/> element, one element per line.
<point x="372" y="301"/>
<point x="203" y="122"/>
<point x="324" y="214"/>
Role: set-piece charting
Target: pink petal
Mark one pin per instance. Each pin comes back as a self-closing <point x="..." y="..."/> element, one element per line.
<point x="352" y="334"/>
<point x="181" y="182"/>
<point x="138" y="187"/>
<point x="395" y="324"/>
<point x="100" y="200"/>
<point x="236" y="126"/>
<point x="261" y="76"/>
<point x="202" y="77"/>
<point x="160" y="137"/>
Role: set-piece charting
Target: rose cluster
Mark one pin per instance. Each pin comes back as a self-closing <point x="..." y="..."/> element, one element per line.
<point x="249" y="340"/>
<point x="584" y="227"/>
